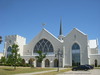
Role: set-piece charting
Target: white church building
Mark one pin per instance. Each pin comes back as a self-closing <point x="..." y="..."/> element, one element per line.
<point x="72" y="49"/>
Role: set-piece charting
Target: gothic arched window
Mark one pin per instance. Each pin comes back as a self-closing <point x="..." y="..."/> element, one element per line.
<point x="43" y="45"/>
<point x="75" y="54"/>
<point x="9" y="49"/>
<point x="75" y="46"/>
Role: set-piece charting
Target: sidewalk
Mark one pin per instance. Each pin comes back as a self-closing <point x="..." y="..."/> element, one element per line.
<point x="35" y="72"/>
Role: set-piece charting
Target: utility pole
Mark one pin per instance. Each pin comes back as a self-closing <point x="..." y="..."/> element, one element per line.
<point x="58" y="54"/>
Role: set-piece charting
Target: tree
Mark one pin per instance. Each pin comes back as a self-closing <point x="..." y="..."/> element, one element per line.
<point x="40" y="57"/>
<point x="14" y="59"/>
<point x="3" y="60"/>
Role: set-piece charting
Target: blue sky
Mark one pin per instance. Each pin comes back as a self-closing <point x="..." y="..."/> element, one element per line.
<point x="25" y="17"/>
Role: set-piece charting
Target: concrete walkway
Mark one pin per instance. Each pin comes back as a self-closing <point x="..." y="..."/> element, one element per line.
<point x="35" y="72"/>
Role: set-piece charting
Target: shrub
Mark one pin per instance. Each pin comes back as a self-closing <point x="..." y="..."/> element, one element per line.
<point x="67" y="66"/>
<point x="26" y="65"/>
<point x="98" y="65"/>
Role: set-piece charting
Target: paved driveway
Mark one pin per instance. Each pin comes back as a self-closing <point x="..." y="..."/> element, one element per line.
<point x="89" y="72"/>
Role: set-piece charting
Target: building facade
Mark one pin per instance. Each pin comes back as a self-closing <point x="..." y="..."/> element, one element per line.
<point x="74" y="49"/>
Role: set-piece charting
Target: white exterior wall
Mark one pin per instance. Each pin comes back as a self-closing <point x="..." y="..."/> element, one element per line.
<point x="93" y="46"/>
<point x="89" y="52"/>
<point x="94" y="51"/>
<point x="65" y="45"/>
<point x="21" y="41"/>
<point x="10" y="40"/>
<point x="51" y="59"/>
<point x="75" y="37"/>
<point x="28" y="49"/>
<point x="94" y="57"/>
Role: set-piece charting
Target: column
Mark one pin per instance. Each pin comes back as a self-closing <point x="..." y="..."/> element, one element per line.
<point x="43" y="64"/>
<point x="34" y="62"/>
<point x="63" y="56"/>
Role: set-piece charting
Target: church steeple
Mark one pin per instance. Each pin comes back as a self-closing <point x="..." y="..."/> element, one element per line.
<point x="60" y="32"/>
<point x="60" y="37"/>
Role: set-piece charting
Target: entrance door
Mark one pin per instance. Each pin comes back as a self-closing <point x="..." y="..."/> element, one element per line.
<point x="47" y="63"/>
<point x="95" y="63"/>
<point x="38" y="64"/>
<point x="56" y="63"/>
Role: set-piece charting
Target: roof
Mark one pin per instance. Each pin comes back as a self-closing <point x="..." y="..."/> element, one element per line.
<point x="79" y="31"/>
<point x="92" y="43"/>
<point x="74" y="30"/>
<point x="51" y="34"/>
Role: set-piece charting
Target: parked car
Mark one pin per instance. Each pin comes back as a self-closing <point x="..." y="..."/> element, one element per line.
<point x="91" y="67"/>
<point x="80" y="67"/>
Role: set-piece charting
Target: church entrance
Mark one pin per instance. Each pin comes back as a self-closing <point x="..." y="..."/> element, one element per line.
<point x="38" y="64"/>
<point x="75" y="54"/>
<point x="56" y="63"/>
<point x="47" y="63"/>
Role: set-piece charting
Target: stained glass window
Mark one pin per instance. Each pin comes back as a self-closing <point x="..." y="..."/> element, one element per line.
<point x="43" y="45"/>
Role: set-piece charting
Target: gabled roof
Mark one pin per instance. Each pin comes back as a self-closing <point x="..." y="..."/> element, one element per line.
<point x="50" y="34"/>
<point x="75" y="29"/>
<point x="92" y="43"/>
<point x="78" y="31"/>
<point x="45" y="31"/>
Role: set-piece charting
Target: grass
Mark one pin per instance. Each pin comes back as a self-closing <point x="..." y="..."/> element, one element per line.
<point x="54" y="72"/>
<point x="6" y="70"/>
<point x="96" y="67"/>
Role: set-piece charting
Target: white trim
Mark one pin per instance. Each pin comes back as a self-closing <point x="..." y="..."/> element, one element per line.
<point x="51" y="34"/>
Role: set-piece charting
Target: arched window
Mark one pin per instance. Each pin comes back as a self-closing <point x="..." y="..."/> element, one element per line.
<point x="75" y="46"/>
<point x="47" y="63"/>
<point x="75" y="54"/>
<point x="44" y="46"/>
<point x="9" y="49"/>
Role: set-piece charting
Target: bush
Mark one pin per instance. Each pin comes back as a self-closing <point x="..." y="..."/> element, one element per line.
<point x="31" y="66"/>
<point x="98" y="65"/>
<point x="18" y="64"/>
<point x="67" y="66"/>
<point x="26" y="65"/>
<point x="1" y="64"/>
<point x="7" y="64"/>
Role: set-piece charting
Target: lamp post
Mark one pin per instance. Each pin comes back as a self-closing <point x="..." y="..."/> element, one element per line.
<point x="58" y="54"/>
<point x="0" y="39"/>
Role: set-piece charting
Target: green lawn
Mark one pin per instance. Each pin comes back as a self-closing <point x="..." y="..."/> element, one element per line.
<point x="6" y="70"/>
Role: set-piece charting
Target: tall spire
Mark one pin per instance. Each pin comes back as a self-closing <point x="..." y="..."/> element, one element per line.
<point x="60" y="37"/>
<point x="60" y="32"/>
